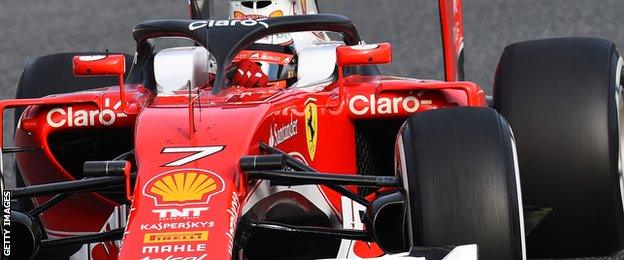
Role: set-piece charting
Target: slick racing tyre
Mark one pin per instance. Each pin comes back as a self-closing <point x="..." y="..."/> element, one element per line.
<point x="563" y="99"/>
<point x="460" y="174"/>
<point x="53" y="74"/>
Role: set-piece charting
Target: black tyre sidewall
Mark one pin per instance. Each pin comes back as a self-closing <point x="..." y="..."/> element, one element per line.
<point x="460" y="176"/>
<point x="559" y="97"/>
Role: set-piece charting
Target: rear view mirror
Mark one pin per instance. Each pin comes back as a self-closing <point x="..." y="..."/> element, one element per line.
<point x="364" y="54"/>
<point x="99" y="65"/>
<point x="105" y="65"/>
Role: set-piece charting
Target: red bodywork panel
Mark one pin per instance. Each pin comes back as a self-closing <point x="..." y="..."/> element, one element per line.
<point x="189" y="192"/>
<point x="89" y="110"/>
<point x="173" y="189"/>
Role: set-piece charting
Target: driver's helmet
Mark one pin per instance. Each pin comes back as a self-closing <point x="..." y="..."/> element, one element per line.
<point x="258" y="9"/>
<point x="273" y="53"/>
<point x="254" y="9"/>
<point x="278" y="62"/>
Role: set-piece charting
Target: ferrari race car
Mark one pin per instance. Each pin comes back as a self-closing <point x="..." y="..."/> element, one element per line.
<point x="159" y="156"/>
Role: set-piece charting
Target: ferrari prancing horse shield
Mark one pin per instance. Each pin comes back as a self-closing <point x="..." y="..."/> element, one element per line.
<point x="311" y="122"/>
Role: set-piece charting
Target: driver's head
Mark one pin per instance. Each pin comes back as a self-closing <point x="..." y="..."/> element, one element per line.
<point x="276" y="61"/>
<point x="274" y="54"/>
<point x="254" y="9"/>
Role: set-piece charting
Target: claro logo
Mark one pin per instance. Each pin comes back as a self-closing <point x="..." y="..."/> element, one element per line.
<point x="361" y="105"/>
<point x="221" y="23"/>
<point x="67" y="116"/>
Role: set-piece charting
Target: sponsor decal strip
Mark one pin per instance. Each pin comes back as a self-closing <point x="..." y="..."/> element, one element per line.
<point x="185" y="213"/>
<point x="177" y="225"/>
<point x="283" y="133"/>
<point x="180" y="248"/>
<point x="272" y="57"/>
<point x="361" y="105"/>
<point x="183" y="187"/>
<point x="233" y="211"/>
<point x="225" y="23"/>
<point x="173" y="257"/>
<point x="170" y="237"/>
<point x="67" y="116"/>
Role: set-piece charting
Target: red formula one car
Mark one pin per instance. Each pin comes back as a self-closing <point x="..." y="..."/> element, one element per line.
<point x="167" y="159"/>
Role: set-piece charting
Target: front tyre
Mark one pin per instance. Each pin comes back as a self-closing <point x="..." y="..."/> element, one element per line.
<point x="460" y="175"/>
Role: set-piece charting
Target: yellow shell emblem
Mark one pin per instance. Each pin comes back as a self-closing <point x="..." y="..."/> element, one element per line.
<point x="311" y="123"/>
<point x="182" y="187"/>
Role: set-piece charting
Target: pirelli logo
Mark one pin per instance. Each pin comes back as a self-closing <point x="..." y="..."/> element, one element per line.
<point x="175" y="237"/>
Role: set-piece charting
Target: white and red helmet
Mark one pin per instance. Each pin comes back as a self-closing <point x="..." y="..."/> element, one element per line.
<point x="254" y="9"/>
<point x="273" y="53"/>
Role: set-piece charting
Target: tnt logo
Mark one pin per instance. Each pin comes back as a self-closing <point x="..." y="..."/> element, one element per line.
<point x="179" y="213"/>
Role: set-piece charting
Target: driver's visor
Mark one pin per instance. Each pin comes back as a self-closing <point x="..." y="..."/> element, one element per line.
<point x="252" y="7"/>
<point x="276" y="65"/>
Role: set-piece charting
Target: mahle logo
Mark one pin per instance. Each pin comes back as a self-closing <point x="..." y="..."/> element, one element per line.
<point x="183" y="187"/>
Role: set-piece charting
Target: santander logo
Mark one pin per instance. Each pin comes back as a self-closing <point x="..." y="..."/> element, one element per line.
<point x="283" y="133"/>
<point x="361" y="105"/>
<point x="67" y="116"/>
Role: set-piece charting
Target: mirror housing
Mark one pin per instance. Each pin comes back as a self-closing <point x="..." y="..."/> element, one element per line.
<point x="99" y="65"/>
<point x="367" y="54"/>
<point x="104" y="65"/>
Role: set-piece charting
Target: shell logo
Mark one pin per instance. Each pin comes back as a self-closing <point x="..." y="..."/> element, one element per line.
<point x="183" y="187"/>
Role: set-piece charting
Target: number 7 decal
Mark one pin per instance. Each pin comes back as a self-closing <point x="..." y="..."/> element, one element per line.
<point x="198" y="153"/>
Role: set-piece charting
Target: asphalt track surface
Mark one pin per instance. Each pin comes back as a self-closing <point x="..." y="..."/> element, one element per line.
<point x="32" y="28"/>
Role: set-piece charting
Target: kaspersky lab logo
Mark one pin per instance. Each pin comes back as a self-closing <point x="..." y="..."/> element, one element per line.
<point x="183" y="187"/>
